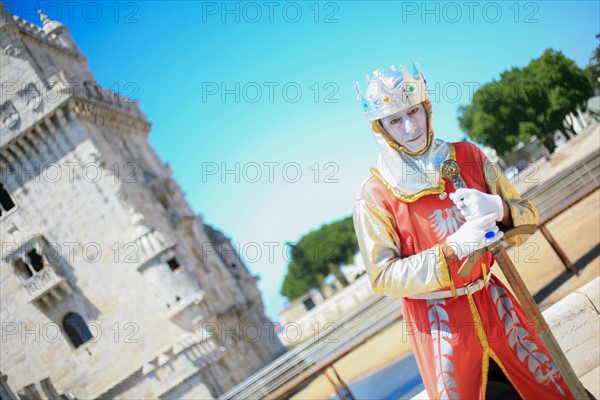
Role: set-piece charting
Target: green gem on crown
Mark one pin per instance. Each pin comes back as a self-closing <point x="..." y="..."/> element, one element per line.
<point x="411" y="88"/>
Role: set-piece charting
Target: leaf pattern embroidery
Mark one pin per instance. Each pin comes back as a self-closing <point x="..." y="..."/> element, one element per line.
<point x="442" y="349"/>
<point x="539" y="364"/>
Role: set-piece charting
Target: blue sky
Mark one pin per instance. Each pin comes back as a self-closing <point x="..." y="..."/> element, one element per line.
<point x="265" y="91"/>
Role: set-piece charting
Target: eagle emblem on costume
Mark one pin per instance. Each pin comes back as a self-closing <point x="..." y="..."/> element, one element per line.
<point x="446" y="221"/>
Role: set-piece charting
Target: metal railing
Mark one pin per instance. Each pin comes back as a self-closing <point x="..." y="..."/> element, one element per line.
<point x="584" y="174"/>
<point x="307" y="360"/>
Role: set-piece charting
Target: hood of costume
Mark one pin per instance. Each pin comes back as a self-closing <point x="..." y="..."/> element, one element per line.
<point x="408" y="175"/>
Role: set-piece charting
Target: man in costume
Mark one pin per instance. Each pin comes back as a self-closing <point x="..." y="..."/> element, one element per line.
<point x="415" y="228"/>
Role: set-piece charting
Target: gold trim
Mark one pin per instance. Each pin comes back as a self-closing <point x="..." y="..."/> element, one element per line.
<point x="410" y="198"/>
<point x="452" y="150"/>
<point x="482" y="340"/>
<point x="445" y="271"/>
<point x="452" y="287"/>
<point x="478" y="324"/>
<point x="485" y="369"/>
<point x="484" y="272"/>
<point x="487" y="350"/>
<point x="441" y="260"/>
<point x="495" y="357"/>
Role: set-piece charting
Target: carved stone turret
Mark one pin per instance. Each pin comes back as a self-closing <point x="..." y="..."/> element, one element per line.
<point x="57" y="31"/>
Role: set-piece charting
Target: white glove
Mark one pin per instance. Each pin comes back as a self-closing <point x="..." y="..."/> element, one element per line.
<point x="473" y="204"/>
<point x="471" y="236"/>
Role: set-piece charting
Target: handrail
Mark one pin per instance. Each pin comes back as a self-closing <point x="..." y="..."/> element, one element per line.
<point x="310" y="358"/>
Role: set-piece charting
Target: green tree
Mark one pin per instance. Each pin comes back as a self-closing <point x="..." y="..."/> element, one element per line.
<point x="593" y="68"/>
<point x="528" y="101"/>
<point x="317" y="254"/>
<point x="566" y="87"/>
<point x="297" y="281"/>
<point x="494" y="117"/>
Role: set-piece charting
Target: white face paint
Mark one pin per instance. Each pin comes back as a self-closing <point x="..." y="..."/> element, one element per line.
<point x="408" y="128"/>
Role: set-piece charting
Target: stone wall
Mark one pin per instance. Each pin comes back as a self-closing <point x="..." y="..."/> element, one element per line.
<point x="117" y="244"/>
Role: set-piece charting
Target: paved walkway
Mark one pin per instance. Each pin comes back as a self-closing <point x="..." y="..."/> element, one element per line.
<point x="564" y="156"/>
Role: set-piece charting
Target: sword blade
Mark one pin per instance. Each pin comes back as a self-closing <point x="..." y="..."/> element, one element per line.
<point x="541" y="326"/>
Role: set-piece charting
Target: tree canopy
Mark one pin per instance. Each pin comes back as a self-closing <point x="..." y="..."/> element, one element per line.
<point x="593" y="69"/>
<point x="317" y="254"/>
<point x="525" y="102"/>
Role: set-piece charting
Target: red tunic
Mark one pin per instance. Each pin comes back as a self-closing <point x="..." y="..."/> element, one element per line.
<point x="453" y="338"/>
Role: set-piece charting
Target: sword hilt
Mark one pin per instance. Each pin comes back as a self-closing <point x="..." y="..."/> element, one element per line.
<point x="467" y="266"/>
<point x="451" y="170"/>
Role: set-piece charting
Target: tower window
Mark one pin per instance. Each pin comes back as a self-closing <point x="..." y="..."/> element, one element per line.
<point x="6" y="202"/>
<point x="27" y="269"/>
<point x="23" y="269"/>
<point x="76" y="329"/>
<point x="35" y="260"/>
<point x="173" y="264"/>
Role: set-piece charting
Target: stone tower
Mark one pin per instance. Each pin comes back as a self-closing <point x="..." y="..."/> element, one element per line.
<point x="110" y="285"/>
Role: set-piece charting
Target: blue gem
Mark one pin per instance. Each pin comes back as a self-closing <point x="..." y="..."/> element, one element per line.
<point x="489" y="234"/>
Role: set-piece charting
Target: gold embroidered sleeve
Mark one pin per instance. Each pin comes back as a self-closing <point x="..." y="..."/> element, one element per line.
<point x="522" y="211"/>
<point x="390" y="274"/>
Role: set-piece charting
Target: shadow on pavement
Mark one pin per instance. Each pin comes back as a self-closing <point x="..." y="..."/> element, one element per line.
<point x="583" y="262"/>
